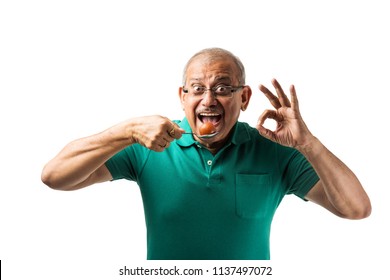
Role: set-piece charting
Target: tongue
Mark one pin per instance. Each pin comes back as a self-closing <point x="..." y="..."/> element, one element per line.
<point x="210" y="119"/>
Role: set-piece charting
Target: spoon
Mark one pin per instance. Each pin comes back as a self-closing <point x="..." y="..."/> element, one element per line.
<point x="205" y="136"/>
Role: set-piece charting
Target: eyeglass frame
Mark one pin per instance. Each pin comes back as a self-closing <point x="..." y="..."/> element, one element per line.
<point x="213" y="89"/>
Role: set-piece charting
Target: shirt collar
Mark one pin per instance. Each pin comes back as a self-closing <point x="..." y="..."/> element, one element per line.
<point x="240" y="134"/>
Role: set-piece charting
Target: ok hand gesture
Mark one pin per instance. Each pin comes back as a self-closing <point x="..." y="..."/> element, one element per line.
<point x="290" y="130"/>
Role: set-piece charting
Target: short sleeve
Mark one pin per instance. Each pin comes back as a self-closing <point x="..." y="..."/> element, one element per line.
<point x="298" y="174"/>
<point x="127" y="163"/>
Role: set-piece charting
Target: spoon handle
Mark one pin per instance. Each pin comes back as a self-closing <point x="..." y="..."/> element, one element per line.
<point x="203" y="136"/>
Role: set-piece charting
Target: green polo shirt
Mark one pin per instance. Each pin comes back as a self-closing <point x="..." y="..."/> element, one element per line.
<point x="203" y="206"/>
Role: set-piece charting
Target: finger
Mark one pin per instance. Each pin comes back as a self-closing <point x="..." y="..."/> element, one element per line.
<point x="267" y="133"/>
<point x="270" y="114"/>
<point x="158" y="147"/>
<point x="172" y="131"/>
<point x="165" y="144"/>
<point x="179" y="132"/>
<point x="283" y="99"/>
<point x="160" y="141"/>
<point x="294" y="98"/>
<point x="175" y="132"/>
<point x="167" y="130"/>
<point x="271" y="97"/>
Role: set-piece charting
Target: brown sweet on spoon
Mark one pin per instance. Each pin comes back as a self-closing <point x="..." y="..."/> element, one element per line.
<point x="207" y="128"/>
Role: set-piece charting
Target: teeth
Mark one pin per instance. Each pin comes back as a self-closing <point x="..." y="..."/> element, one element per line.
<point x="209" y="114"/>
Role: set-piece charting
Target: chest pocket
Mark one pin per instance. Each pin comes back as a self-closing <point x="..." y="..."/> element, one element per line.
<point x="253" y="195"/>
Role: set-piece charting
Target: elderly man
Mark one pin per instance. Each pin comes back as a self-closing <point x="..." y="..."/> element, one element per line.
<point x="228" y="185"/>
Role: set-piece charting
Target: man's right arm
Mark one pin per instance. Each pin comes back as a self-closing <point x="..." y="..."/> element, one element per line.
<point x="81" y="162"/>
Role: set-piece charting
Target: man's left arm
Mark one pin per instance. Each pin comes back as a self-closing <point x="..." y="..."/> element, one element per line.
<point x="338" y="189"/>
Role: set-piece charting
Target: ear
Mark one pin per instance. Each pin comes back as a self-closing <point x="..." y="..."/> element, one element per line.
<point x="245" y="97"/>
<point x="182" y="97"/>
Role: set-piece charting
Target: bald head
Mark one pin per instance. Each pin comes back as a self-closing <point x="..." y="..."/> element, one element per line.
<point x="213" y="54"/>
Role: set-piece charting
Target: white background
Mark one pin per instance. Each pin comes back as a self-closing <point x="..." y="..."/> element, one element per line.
<point x="69" y="69"/>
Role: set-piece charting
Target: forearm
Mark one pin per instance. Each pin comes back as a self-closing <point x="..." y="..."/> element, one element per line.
<point x="341" y="186"/>
<point x="79" y="159"/>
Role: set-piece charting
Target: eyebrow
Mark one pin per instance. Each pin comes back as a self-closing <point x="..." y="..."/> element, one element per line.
<point x="222" y="78"/>
<point x="216" y="80"/>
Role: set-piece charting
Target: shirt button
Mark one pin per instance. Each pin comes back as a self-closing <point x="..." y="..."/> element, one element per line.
<point x="209" y="162"/>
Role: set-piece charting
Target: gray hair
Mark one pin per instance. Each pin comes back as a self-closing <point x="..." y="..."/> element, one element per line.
<point x="217" y="53"/>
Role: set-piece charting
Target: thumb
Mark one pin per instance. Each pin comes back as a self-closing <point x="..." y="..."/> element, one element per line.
<point x="176" y="131"/>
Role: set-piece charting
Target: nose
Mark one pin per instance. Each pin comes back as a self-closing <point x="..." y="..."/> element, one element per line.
<point x="209" y="98"/>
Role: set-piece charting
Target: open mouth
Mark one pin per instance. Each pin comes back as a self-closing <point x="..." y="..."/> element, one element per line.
<point x="214" y="118"/>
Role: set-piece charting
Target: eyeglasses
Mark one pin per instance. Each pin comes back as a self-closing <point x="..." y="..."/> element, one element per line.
<point x="220" y="91"/>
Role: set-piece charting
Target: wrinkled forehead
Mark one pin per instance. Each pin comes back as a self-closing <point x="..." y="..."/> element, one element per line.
<point x="206" y="68"/>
